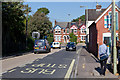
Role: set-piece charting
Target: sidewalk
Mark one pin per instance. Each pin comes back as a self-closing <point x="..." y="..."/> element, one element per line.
<point x="89" y="67"/>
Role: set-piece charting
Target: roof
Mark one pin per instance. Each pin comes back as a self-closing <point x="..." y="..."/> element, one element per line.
<point x="93" y="14"/>
<point x="69" y="24"/>
<point x="62" y="24"/>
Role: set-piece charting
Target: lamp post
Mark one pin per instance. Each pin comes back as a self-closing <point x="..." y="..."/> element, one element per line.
<point x="114" y="38"/>
<point x="87" y="30"/>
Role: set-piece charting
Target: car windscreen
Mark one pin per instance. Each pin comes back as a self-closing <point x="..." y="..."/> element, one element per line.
<point x="56" y="43"/>
<point x="40" y="43"/>
<point x="71" y="43"/>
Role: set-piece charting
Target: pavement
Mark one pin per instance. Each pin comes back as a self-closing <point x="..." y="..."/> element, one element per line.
<point x="89" y="66"/>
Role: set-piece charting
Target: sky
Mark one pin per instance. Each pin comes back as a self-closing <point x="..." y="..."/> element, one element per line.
<point x="59" y="10"/>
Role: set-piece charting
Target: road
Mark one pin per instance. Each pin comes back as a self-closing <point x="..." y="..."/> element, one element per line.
<point x="56" y="65"/>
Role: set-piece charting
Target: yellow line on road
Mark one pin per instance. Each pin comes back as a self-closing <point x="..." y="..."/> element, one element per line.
<point x="70" y="69"/>
<point x="12" y="70"/>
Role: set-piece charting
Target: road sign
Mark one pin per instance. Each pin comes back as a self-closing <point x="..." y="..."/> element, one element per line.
<point x="36" y="35"/>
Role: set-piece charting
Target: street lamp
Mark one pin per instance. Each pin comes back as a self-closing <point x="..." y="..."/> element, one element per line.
<point x="87" y="30"/>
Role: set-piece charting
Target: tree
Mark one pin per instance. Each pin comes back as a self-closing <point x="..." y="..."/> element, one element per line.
<point x="73" y="38"/>
<point x="12" y="27"/>
<point x="43" y="10"/>
<point x="81" y="17"/>
<point x="40" y="23"/>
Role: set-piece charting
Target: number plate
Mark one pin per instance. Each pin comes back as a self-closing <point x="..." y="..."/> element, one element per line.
<point x="36" y="47"/>
<point x="70" y="48"/>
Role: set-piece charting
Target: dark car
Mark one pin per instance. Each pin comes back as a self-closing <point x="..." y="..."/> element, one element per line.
<point x="71" y="46"/>
<point x="41" y="45"/>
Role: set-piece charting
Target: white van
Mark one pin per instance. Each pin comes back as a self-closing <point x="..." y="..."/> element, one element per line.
<point x="56" y="45"/>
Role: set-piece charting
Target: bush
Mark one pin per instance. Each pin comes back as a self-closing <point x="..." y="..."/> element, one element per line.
<point x="30" y="43"/>
<point x="50" y="39"/>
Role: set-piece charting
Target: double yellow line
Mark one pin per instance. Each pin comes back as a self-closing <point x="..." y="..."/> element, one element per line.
<point x="67" y="76"/>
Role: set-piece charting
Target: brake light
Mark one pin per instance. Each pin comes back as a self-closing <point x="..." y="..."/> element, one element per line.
<point x="45" y="47"/>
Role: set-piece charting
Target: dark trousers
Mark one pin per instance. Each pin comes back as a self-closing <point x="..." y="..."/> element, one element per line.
<point x="103" y="66"/>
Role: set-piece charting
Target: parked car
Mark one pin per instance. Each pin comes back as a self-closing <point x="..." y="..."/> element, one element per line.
<point x="56" y="45"/>
<point x="41" y="45"/>
<point x="71" y="46"/>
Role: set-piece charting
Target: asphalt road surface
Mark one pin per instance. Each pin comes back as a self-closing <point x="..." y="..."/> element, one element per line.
<point x="56" y="65"/>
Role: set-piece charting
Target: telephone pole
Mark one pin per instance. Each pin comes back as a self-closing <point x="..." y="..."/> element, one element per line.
<point x="114" y="38"/>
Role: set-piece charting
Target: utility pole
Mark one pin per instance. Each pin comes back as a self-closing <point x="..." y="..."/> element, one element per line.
<point x="114" y="38"/>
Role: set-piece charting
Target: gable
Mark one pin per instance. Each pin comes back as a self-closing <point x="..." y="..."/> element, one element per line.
<point x="57" y="27"/>
<point x="73" y="27"/>
<point x="83" y="27"/>
<point x="105" y="12"/>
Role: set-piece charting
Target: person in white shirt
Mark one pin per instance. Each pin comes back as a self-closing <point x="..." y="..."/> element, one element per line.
<point x="102" y="50"/>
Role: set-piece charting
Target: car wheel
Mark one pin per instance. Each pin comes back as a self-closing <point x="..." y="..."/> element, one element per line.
<point x="34" y="52"/>
<point x="75" y="50"/>
<point x="59" y="47"/>
<point x="66" y="50"/>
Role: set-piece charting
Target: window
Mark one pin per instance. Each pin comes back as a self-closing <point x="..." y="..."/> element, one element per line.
<point x="59" y="32"/>
<point x="64" y="31"/>
<point x="108" y="20"/>
<point x="55" y="32"/>
<point x="82" y="38"/>
<point x="83" y="31"/>
<point x="67" y="30"/>
<point x="57" y="38"/>
<point x="75" y="30"/>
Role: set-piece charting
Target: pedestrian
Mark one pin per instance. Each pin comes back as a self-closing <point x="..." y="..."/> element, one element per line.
<point x="103" y="50"/>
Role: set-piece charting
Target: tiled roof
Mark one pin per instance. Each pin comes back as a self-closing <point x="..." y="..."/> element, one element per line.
<point x="69" y="24"/>
<point x="62" y="24"/>
<point x="93" y="14"/>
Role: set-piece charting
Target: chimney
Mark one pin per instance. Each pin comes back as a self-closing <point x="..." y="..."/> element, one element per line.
<point x="55" y="22"/>
<point x="98" y="7"/>
<point x="79" y="21"/>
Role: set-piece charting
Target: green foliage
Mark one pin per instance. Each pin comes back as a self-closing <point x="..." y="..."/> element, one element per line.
<point x="30" y="43"/>
<point x="73" y="38"/>
<point x="40" y="23"/>
<point x="50" y="38"/>
<point x="81" y="17"/>
<point x="43" y="10"/>
<point x="13" y="27"/>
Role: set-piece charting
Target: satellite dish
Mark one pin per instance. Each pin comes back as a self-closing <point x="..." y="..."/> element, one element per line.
<point x="36" y="35"/>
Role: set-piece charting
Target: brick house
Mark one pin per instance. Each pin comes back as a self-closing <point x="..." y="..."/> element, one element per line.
<point x="62" y="30"/>
<point x="100" y="28"/>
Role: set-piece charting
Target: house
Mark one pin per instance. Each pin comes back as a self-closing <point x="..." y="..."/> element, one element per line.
<point x="62" y="30"/>
<point x="100" y="26"/>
